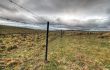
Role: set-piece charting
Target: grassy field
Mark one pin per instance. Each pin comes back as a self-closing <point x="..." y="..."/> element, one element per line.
<point x="23" y="49"/>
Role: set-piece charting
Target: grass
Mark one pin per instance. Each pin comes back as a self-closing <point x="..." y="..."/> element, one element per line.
<point x="74" y="51"/>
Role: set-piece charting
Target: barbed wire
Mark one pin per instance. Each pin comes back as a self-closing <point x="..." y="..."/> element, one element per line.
<point x="27" y="10"/>
<point x="34" y="15"/>
<point x="4" y="18"/>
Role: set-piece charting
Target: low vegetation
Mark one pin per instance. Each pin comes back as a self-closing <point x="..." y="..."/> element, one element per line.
<point x="74" y="50"/>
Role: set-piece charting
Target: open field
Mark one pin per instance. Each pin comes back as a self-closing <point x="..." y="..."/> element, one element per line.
<point x="23" y="49"/>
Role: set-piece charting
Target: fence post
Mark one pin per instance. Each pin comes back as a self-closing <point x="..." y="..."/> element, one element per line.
<point x="61" y="33"/>
<point x="46" y="49"/>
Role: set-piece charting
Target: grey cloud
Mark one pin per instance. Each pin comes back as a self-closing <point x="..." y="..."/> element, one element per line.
<point x="5" y="4"/>
<point x="84" y="7"/>
<point x="54" y="7"/>
<point x="73" y="6"/>
<point x="91" y="26"/>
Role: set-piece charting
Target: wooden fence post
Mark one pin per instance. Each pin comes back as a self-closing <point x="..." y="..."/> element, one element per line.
<point x="46" y="49"/>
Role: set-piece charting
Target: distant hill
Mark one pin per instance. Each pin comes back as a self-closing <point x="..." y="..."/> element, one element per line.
<point x="10" y="29"/>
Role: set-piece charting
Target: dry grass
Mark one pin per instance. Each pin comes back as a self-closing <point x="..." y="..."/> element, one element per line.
<point x="74" y="51"/>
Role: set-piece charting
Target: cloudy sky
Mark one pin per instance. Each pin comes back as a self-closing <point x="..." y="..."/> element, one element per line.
<point x="90" y="15"/>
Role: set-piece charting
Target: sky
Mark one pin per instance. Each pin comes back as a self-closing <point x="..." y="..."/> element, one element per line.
<point x="91" y="15"/>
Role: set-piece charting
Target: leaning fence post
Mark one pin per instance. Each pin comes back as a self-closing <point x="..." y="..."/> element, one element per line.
<point x="46" y="49"/>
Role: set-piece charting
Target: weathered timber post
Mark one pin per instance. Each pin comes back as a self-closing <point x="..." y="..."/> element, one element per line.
<point x="61" y="33"/>
<point x="46" y="49"/>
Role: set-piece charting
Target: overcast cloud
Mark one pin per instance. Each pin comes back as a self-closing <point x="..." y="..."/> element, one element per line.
<point x="72" y="14"/>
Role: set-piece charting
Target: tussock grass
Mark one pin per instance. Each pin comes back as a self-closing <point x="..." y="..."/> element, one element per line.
<point x="74" y="51"/>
